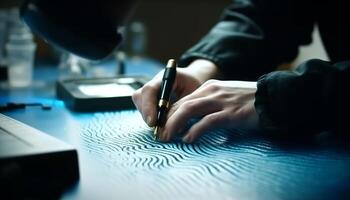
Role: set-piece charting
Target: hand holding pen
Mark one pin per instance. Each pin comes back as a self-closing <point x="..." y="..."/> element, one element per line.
<point x="165" y="94"/>
<point x="146" y="99"/>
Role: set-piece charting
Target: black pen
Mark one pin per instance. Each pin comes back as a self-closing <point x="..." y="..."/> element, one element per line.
<point x="164" y="94"/>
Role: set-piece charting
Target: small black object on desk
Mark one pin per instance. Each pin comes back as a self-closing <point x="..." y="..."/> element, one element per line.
<point x="14" y="106"/>
<point x="3" y="73"/>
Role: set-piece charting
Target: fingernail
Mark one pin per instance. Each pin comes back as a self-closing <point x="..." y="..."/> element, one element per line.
<point x="186" y="139"/>
<point x="149" y="121"/>
<point x="167" y="137"/>
<point x="162" y="135"/>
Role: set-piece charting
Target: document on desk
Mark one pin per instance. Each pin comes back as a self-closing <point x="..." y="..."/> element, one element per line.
<point x="222" y="165"/>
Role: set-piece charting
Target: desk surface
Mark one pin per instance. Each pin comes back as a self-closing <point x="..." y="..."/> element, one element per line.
<point x="118" y="158"/>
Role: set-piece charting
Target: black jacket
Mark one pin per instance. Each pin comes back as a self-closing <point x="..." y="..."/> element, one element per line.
<point x="254" y="36"/>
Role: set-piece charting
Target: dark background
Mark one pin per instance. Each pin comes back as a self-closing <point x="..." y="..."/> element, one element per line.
<point x="172" y="25"/>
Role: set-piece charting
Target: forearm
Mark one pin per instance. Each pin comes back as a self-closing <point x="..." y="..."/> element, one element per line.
<point x="253" y="38"/>
<point x="312" y="99"/>
<point x="203" y="70"/>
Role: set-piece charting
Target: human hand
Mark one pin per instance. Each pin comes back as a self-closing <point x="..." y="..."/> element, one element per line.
<point x="187" y="80"/>
<point x="224" y="104"/>
<point x="145" y="98"/>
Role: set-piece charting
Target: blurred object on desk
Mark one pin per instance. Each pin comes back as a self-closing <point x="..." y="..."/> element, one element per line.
<point x="133" y="46"/>
<point x="137" y="40"/>
<point x="34" y="165"/>
<point x="72" y="66"/>
<point x="20" y="49"/>
<point x="119" y="53"/>
<point x="99" y="94"/>
<point x="3" y="35"/>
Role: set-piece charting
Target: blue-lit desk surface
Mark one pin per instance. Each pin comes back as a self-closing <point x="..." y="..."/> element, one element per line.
<point x="118" y="159"/>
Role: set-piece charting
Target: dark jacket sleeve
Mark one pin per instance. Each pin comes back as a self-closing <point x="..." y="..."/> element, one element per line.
<point x="253" y="37"/>
<point x="311" y="99"/>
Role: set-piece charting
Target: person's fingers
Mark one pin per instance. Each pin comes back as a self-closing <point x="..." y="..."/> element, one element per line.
<point x="137" y="99"/>
<point x="197" y="94"/>
<point x="145" y="100"/>
<point x="187" y="107"/>
<point x="186" y="111"/>
<point x="207" y="123"/>
<point x="148" y="108"/>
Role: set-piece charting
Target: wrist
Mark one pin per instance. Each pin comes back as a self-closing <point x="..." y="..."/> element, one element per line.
<point x="203" y="70"/>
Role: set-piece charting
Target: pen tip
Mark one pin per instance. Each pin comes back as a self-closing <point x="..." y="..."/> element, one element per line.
<point x="155" y="133"/>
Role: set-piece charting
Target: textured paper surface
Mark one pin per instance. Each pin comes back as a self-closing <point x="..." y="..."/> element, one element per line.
<point x="222" y="165"/>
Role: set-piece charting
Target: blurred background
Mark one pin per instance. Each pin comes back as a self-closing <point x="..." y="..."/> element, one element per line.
<point x="167" y="27"/>
<point x="159" y="29"/>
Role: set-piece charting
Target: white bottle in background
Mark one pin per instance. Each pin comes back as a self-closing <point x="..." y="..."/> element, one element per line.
<point x="20" y="49"/>
<point x="138" y="40"/>
<point x="3" y="35"/>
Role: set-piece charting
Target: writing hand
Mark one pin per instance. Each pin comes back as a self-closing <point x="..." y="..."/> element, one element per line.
<point x="219" y="104"/>
<point x="146" y="100"/>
